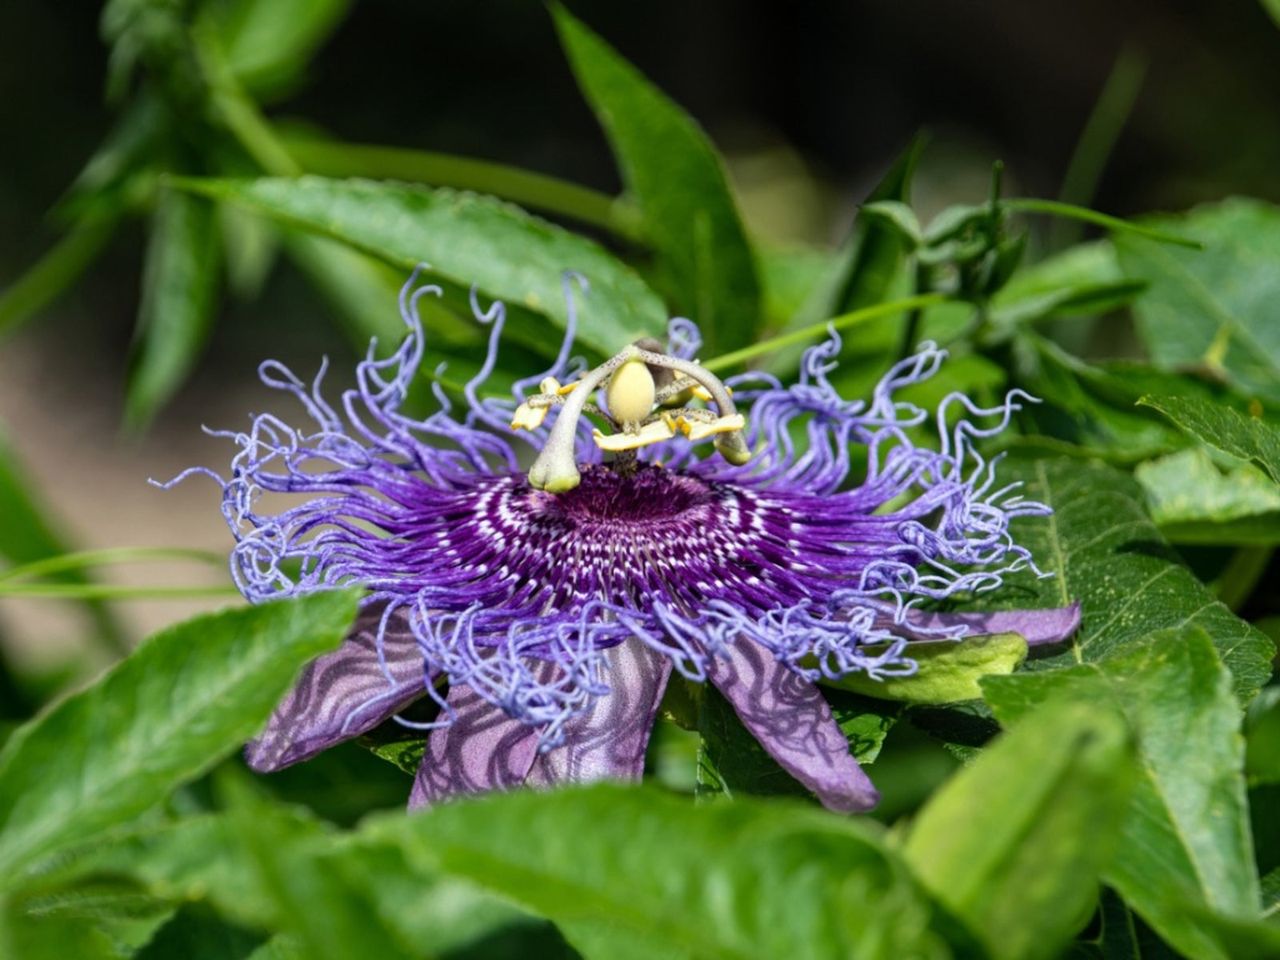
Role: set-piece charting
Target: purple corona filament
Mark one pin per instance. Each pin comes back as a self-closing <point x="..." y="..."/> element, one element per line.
<point x="544" y="607"/>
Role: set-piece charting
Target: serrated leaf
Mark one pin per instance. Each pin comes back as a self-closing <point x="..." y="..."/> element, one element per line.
<point x="467" y="239"/>
<point x="1001" y="843"/>
<point x="738" y="880"/>
<point x="179" y="282"/>
<point x="333" y="158"/>
<point x="185" y="699"/>
<point x="678" y="181"/>
<point x="946" y="671"/>
<point x="1213" y="308"/>
<point x="1192" y="501"/>
<point x="1247" y="438"/>
<point x="1186" y="838"/>
<point x="1104" y="550"/>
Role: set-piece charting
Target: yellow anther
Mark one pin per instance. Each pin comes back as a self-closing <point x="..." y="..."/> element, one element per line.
<point x="650" y="433"/>
<point x="528" y="417"/>
<point x="550" y="386"/>
<point x="703" y="394"/>
<point x="630" y="393"/>
<point x="699" y="429"/>
<point x="567" y="389"/>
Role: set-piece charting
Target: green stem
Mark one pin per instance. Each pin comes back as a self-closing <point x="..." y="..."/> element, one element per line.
<point x="912" y="329"/>
<point x="55" y="271"/>
<point x="94" y="558"/>
<point x="1055" y="208"/>
<point x="106" y="591"/>
<point x="1235" y="584"/>
<point x="1098" y="139"/>
<point x="842" y="322"/>
<point x="238" y="110"/>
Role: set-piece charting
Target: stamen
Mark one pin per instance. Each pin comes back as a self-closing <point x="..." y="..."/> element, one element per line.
<point x="556" y="469"/>
<point x="699" y="428"/>
<point x="635" y="380"/>
<point x="731" y="445"/>
<point x="653" y="432"/>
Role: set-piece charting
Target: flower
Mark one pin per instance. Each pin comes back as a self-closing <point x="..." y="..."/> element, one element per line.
<point x="544" y="609"/>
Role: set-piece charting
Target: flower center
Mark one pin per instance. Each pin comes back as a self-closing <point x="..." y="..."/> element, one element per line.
<point x="639" y="539"/>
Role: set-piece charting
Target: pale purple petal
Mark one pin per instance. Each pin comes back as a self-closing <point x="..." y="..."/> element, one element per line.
<point x="1038" y="627"/>
<point x="607" y="741"/>
<point x="343" y="694"/>
<point x="792" y="721"/>
<point x="482" y="749"/>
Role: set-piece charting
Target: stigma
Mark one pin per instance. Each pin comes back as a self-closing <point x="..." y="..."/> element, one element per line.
<point x="647" y="397"/>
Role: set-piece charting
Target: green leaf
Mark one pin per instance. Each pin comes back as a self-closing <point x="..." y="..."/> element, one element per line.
<point x="249" y="248"/>
<point x="1192" y="501"/>
<point x="1246" y="438"/>
<point x="1272" y="7"/>
<point x="1089" y="406"/>
<point x="466" y="239"/>
<point x="1214" y="308"/>
<point x="269" y="45"/>
<point x="186" y="698"/>
<point x="24" y="937"/>
<point x="315" y="898"/>
<point x="282" y="946"/>
<point x="195" y="859"/>
<point x="789" y="274"/>
<point x="899" y="217"/>
<point x="1080" y="281"/>
<point x="678" y="181"/>
<point x="364" y="291"/>
<point x="947" y="671"/>
<point x="731" y="762"/>
<point x="179" y="285"/>
<point x="1104" y="551"/>
<point x="740" y="880"/>
<point x="1186" y="838"/>
<point x="537" y="191"/>
<point x="54" y="272"/>
<point x="867" y="268"/>
<point x="195" y="933"/>
<point x="872" y="255"/>
<point x="1001" y="844"/>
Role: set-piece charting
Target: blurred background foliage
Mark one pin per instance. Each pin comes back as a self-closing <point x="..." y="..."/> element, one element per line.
<point x="156" y="244"/>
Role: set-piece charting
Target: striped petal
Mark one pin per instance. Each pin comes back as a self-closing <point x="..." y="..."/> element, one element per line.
<point x="343" y="694"/>
<point x="1038" y="627"/>
<point x="483" y="749"/>
<point x="608" y="740"/>
<point x="791" y="720"/>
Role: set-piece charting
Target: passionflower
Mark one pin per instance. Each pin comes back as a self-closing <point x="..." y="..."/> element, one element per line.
<point x="751" y="534"/>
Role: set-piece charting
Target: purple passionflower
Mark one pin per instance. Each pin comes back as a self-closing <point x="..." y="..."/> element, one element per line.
<point x="543" y="596"/>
